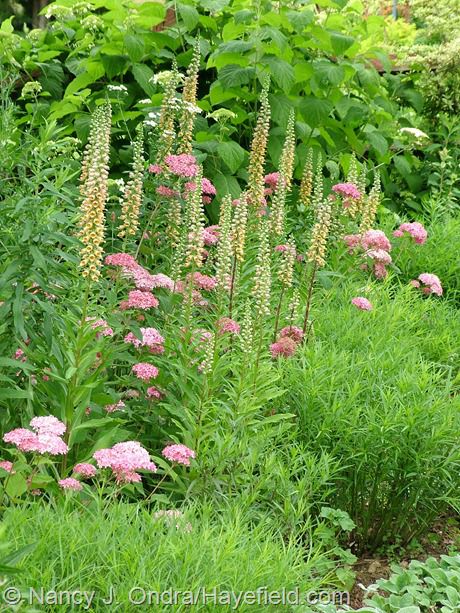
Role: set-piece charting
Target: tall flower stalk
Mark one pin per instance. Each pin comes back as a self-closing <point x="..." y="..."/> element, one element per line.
<point x="285" y="276"/>
<point x="224" y="247"/>
<point x="317" y="251"/>
<point x="306" y="183"/>
<point x="94" y="190"/>
<point x="189" y="107"/>
<point x="132" y="196"/>
<point x="259" y="143"/>
<point x="370" y="206"/>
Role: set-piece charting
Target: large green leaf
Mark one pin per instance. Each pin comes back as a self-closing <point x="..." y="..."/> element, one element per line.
<point x="95" y="70"/>
<point x="315" y="110"/>
<point x="232" y="154"/>
<point x="143" y="75"/>
<point x="341" y="42"/>
<point x="281" y="71"/>
<point x="234" y="76"/>
<point x="135" y="46"/>
<point x="189" y="15"/>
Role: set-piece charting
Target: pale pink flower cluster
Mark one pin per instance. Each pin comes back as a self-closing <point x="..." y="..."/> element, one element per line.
<point x="102" y="327"/>
<point x="211" y="235"/>
<point x="8" y="466"/>
<point x="362" y="303"/>
<point x="431" y="282"/>
<point x="376" y="246"/>
<point x="124" y="459"/>
<point x="151" y="338"/>
<point x="45" y="439"/>
<point x="145" y="281"/>
<point x="206" y="187"/>
<point x="180" y="454"/>
<point x="228" y="325"/>
<point x="272" y="179"/>
<point x="284" y="347"/>
<point x="84" y="469"/>
<point x="182" y="165"/>
<point x="293" y="332"/>
<point x="20" y="355"/>
<point x="202" y="281"/>
<point x="138" y="299"/>
<point x="414" y="229"/>
<point x="153" y="392"/>
<point x="347" y="190"/>
<point x="117" y="406"/>
<point x="145" y="371"/>
<point x="167" y="192"/>
<point x="155" y="169"/>
<point x="70" y="484"/>
<point x="120" y="259"/>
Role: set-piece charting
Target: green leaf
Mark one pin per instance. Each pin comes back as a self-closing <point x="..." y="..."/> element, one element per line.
<point x="281" y="71"/>
<point x="189" y="15"/>
<point x="315" y="110"/>
<point x="378" y="141"/>
<point x="341" y="42"/>
<point x="234" y="76"/>
<point x="13" y="393"/>
<point x="232" y="154"/>
<point x="135" y="46"/>
<point x="143" y="75"/>
<point x="95" y="70"/>
<point x="114" y="65"/>
<point x="150" y="14"/>
<point x="16" y="485"/>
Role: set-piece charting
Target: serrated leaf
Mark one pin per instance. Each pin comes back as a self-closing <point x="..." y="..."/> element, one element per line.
<point x="281" y="71"/>
<point x="315" y="110"/>
<point x="234" y="76"/>
<point x="340" y="42"/>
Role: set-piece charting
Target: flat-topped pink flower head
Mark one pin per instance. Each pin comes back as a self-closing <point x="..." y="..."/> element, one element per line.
<point x="348" y="190"/>
<point x="145" y="371"/>
<point x="137" y="299"/>
<point x="375" y="239"/>
<point x="362" y="303"/>
<point x="125" y="459"/>
<point x="180" y="454"/>
<point x="432" y="283"/>
<point x="379" y="255"/>
<point x="228" y="325"/>
<point x="70" y="484"/>
<point x="150" y="338"/>
<point x="48" y="424"/>
<point x="293" y="332"/>
<point x="121" y="259"/>
<point x="7" y="466"/>
<point x="85" y="470"/>
<point x="283" y="347"/>
<point x="414" y="229"/>
<point x="272" y="179"/>
<point x="117" y="406"/>
<point x="182" y="165"/>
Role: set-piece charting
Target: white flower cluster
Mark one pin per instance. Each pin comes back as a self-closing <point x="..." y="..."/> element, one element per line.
<point x="118" y="88"/>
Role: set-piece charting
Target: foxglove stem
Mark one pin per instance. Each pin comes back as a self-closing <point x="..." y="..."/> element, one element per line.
<point x="310" y="292"/>
<point x="232" y="288"/>
<point x="277" y="319"/>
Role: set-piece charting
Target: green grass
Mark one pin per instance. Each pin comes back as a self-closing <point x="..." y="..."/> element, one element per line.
<point x="87" y="549"/>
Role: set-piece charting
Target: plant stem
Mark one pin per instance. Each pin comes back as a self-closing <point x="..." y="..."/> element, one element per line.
<point x="310" y="291"/>
<point x="232" y="287"/>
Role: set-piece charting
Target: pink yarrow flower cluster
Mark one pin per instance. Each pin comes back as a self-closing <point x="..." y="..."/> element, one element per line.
<point x="153" y="392"/>
<point x="125" y="459"/>
<point x="102" y="327"/>
<point x="182" y="165"/>
<point x="117" y="406"/>
<point x="376" y="246"/>
<point x="137" y="299"/>
<point x="70" y="484"/>
<point x="414" y="229"/>
<point x="145" y="371"/>
<point x="347" y="191"/>
<point x="293" y="332"/>
<point x="151" y="338"/>
<point x="362" y="303"/>
<point x="211" y="235"/>
<point x="45" y="439"/>
<point x="284" y="347"/>
<point x="228" y="325"/>
<point x="431" y="283"/>
<point x="180" y="454"/>
<point x="84" y="469"/>
<point x="7" y="465"/>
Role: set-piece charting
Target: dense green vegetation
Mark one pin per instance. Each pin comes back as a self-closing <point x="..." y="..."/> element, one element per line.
<point x="229" y="293"/>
